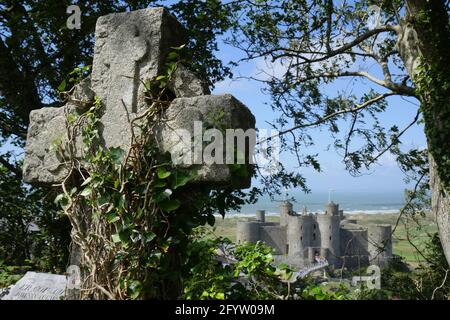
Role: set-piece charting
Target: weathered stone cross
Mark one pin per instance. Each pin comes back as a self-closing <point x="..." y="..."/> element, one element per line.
<point x="129" y="49"/>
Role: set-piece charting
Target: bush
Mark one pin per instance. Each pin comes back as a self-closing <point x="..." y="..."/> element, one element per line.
<point x="428" y="281"/>
<point x="250" y="275"/>
<point x="32" y="229"/>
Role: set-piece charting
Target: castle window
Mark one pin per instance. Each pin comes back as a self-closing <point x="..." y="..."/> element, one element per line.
<point x="329" y="227"/>
<point x="314" y="226"/>
<point x="287" y="249"/>
<point x="301" y="238"/>
<point x="314" y="236"/>
<point x="330" y="237"/>
<point x="301" y="227"/>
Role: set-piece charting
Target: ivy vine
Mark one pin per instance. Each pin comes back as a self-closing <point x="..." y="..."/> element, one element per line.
<point x="132" y="212"/>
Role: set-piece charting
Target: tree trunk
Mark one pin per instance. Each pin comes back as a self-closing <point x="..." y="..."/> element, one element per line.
<point x="440" y="202"/>
<point x="429" y="40"/>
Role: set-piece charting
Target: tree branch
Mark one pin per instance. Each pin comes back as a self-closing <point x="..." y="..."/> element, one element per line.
<point x="398" y="88"/>
<point x="343" y="48"/>
<point x="334" y="114"/>
<point x="398" y="136"/>
<point x="11" y="167"/>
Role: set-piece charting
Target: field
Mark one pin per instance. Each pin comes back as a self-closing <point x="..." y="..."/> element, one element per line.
<point x="401" y="246"/>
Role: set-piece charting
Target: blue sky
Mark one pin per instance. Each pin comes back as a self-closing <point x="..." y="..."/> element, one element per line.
<point x="383" y="177"/>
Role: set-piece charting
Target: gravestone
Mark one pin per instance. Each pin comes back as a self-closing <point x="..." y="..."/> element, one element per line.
<point x="130" y="48"/>
<point x="38" y="286"/>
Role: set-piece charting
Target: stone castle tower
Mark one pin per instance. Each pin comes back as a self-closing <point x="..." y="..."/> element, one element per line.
<point x="298" y="239"/>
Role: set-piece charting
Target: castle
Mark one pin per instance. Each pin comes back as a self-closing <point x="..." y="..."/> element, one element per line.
<point x="302" y="239"/>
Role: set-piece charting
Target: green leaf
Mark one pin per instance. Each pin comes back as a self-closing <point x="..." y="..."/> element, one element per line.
<point x="160" y="184"/>
<point x="180" y="180"/>
<point x="134" y="289"/>
<point x="124" y="235"/>
<point x="160" y="196"/>
<point x="169" y="205"/>
<point x="116" y="154"/>
<point x="234" y="167"/>
<point x="59" y="197"/>
<point x="162" y="173"/>
<point x="139" y="213"/>
<point x="71" y="117"/>
<point x="160" y="78"/>
<point x="112" y="217"/>
<point x="178" y="48"/>
<point x="86" y="192"/>
<point x="62" y="86"/>
<point x="149" y="236"/>
<point x="116" y="238"/>
<point x="172" y="55"/>
<point x="85" y="182"/>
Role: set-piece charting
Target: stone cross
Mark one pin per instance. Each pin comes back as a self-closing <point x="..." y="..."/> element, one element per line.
<point x="130" y="48"/>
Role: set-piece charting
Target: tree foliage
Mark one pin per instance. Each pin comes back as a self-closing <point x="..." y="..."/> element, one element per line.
<point x="316" y="44"/>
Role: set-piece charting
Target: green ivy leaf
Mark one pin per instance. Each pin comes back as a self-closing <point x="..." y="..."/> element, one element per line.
<point x="116" y="238"/>
<point x="112" y="217"/>
<point x="86" y="192"/>
<point x="87" y="181"/>
<point x="162" y="173"/>
<point x="134" y="289"/>
<point x="116" y="154"/>
<point x="178" y="48"/>
<point x="169" y="205"/>
<point x="160" y="184"/>
<point x="59" y="197"/>
<point x="62" y="86"/>
<point x="149" y="236"/>
<point x="180" y="180"/>
<point x="172" y="55"/>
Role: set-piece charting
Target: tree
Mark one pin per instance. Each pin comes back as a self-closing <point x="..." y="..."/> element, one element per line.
<point x="320" y="42"/>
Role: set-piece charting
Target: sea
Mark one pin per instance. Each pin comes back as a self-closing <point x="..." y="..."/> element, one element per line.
<point x="356" y="202"/>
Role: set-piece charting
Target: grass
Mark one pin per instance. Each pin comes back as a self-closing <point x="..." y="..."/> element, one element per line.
<point x="401" y="246"/>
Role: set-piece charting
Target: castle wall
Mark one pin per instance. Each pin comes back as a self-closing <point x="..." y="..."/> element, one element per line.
<point x="286" y="210"/>
<point x="247" y="231"/>
<point x="330" y="236"/>
<point x="332" y="209"/>
<point x="354" y="221"/>
<point x="299" y="234"/>
<point x="274" y="236"/>
<point x="380" y="244"/>
<point x="294" y="237"/>
<point x="354" y="251"/>
<point x="261" y="216"/>
<point x="298" y="238"/>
